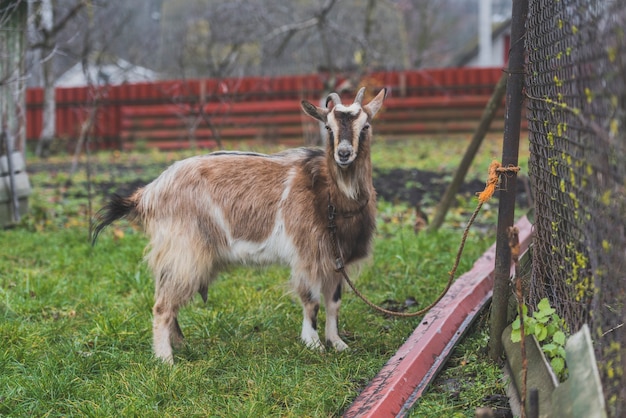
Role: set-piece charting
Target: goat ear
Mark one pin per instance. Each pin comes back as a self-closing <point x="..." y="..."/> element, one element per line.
<point x="374" y="106"/>
<point x="314" y="111"/>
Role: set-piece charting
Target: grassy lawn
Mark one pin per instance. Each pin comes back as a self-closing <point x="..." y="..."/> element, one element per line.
<point x="75" y="320"/>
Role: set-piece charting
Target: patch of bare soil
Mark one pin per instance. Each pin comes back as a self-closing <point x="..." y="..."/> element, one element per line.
<point x="425" y="188"/>
<point x="417" y="187"/>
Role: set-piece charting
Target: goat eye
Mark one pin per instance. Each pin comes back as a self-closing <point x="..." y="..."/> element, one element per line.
<point x="327" y="128"/>
<point x="366" y="127"/>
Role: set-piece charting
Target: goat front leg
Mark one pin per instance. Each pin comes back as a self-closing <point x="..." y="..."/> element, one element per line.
<point x="332" y="300"/>
<point x="310" y="297"/>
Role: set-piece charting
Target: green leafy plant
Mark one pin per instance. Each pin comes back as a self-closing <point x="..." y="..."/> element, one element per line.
<point x="549" y="330"/>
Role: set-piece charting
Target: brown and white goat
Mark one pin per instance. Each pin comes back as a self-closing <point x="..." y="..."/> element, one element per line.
<point x="205" y="213"/>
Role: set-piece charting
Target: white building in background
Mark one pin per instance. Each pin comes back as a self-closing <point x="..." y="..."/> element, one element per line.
<point x="111" y="73"/>
<point x="498" y="50"/>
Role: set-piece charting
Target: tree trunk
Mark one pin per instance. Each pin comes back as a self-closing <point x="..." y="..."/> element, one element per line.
<point x="13" y="16"/>
<point x="48" y="130"/>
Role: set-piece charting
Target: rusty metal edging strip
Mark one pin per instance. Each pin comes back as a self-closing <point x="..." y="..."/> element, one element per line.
<point x="440" y="361"/>
<point x="404" y="377"/>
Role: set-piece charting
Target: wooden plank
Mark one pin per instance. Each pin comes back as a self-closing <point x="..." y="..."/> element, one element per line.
<point x="407" y="114"/>
<point x="436" y="101"/>
<point x="268" y="133"/>
<point x="171" y="145"/>
<point x="274" y="106"/>
<point x="437" y="126"/>
<point x="182" y="122"/>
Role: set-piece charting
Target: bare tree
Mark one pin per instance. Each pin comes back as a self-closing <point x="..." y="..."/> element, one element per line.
<point x="12" y="86"/>
<point x="424" y="31"/>
<point x="95" y="53"/>
<point x="44" y="32"/>
<point x="43" y="23"/>
<point x="212" y="39"/>
<point x="353" y="57"/>
<point x="204" y="38"/>
<point x="12" y="47"/>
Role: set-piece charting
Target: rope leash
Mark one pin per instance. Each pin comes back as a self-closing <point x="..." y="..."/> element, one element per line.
<point x="495" y="170"/>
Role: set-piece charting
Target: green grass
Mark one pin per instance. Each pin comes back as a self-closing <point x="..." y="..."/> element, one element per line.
<point x="75" y="320"/>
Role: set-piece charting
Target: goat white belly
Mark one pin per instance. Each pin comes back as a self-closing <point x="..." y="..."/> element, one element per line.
<point x="278" y="248"/>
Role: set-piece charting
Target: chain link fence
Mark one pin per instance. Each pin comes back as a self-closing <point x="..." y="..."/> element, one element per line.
<point x="576" y="109"/>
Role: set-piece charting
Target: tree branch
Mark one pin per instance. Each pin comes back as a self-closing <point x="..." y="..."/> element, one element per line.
<point x="292" y="28"/>
<point x="51" y="34"/>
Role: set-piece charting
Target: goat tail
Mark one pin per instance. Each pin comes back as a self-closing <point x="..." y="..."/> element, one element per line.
<point x="117" y="207"/>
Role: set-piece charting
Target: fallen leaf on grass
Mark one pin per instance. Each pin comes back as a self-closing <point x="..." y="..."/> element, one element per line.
<point x="118" y="234"/>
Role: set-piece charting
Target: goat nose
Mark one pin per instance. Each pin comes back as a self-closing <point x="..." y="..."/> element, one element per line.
<point x="343" y="154"/>
<point x="344" y="151"/>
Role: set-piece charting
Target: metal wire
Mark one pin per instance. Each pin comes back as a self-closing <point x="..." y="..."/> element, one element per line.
<point x="576" y="109"/>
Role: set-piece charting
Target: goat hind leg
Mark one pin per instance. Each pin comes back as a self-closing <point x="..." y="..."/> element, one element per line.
<point x="163" y="325"/>
<point x="176" y="334"/>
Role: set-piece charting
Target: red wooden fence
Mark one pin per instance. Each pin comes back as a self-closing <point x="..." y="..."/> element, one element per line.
<point x="167" y="114"/>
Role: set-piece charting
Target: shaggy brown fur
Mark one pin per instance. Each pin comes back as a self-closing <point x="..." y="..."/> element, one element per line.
<point x="207" y="212"/>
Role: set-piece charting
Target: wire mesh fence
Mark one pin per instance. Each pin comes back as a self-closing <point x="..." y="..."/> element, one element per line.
<point x="576" y="109"/>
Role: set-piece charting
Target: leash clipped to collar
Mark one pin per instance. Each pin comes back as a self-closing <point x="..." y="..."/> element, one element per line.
<point x="495" y="170"/>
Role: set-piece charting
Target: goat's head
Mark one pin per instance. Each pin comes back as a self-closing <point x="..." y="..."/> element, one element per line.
<point x="347" y="125"/>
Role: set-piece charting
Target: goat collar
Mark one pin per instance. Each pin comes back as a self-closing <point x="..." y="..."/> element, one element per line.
<point x="332" y="209"/>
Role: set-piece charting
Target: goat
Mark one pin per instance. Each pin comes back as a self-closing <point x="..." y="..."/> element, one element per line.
<point x="205" y="213"/>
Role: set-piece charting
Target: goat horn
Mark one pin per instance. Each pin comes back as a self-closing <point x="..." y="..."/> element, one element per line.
<point x="334" y="97"/>
<point x="359" y="95"/>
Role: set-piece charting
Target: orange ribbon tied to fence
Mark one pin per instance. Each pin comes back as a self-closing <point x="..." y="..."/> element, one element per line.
<point x="495" y="169"/>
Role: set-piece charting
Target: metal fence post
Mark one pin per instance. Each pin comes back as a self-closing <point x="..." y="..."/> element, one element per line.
<point x="510" y="151"/>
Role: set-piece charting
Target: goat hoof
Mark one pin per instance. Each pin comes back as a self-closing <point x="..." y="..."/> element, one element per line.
<point x="339" y="345"/>
<point x="315" y="345"/>
<point x="166" y="359"/>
